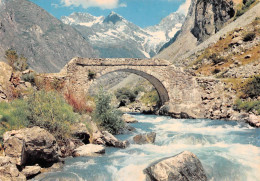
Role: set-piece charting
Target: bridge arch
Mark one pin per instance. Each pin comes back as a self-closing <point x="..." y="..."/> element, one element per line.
<point x="172" y="83"/>
<point x="160" y="88"/>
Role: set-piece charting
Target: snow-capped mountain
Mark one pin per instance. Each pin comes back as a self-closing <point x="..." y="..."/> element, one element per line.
<point x="113" y="36"/>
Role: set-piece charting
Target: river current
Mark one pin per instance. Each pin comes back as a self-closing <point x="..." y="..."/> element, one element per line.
<point x="228" y="151"/>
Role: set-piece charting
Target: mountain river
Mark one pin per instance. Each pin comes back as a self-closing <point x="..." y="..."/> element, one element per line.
<point x="228" y="151"/>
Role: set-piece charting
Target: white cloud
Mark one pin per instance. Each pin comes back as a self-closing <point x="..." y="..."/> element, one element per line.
<point x="103" y="4"/>
<point x="55" y="5"/>
<point x="184" y="8"/>
<point x="123" y="5"/>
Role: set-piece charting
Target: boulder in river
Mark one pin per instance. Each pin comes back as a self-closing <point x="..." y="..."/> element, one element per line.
<point x="110" y="140"/>
<point x="129" y="119"/>
<point x="107" y="139"/>
<point x="254" y="120"/>
<point x="145" y="138"/>
<point x="182" y="167"/>
<point x="9" y="171"/>
<point x="89" y="150"/>
<point x="127" y="129"/>
<point x="30" y="146"/>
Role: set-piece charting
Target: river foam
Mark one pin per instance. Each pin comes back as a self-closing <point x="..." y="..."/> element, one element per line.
<point x="227" y="150"/>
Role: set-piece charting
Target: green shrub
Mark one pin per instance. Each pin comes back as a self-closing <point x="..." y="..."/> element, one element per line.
<point x="245" y="7"/>
<point x="216" y="59"/>
<point x="252" y="88"/>
<point x="126" y="94"/>
<point x="106" y="115"/>
<point x="15" y="61"/>
<point x="49" y="110"/>
<point x="240" y="12"/>
<point x="249" y="36"/>
<point x="151" y="98"/>
<point x="248" y="4"/>
<point x="21" y="64"/>
<point x="139" y="89"/>
<point x="30" y="77"/>
<point x="248" y="106"/>
<point x="13" y="116"/>
<point x="91" y="75"/>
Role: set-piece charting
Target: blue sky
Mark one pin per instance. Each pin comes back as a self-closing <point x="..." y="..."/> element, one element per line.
<point x="141" y="12"/>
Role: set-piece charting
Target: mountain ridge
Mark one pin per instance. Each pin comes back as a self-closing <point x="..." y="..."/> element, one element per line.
<point x="115" y="37"/>
<point x="47" y="42"/>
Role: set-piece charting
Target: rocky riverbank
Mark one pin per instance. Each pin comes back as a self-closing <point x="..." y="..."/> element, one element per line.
<point x="31" y="151"/>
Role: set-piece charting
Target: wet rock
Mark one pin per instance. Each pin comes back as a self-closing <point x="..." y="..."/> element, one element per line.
<point x="31" y="146"/>
<point x="182" y="167"/>
<point x="129" y="119"/>
<point x="80" y="131"/>
<point x="180" y="111"/>
<point x="127" y="129"/>
<point x="241" y="117"/>
<point x="89" y="150"/>
<point x="110" y="140"/>
<point x="107" y="139"/>
<point x="97" y="138"/>
<point x="31" y="171"/>
<point x="54" y="168"/>
<point x="9" y="171"/>
<point x="146" y="138"/>
<point x="68" y="146"/>
<point x="254" y="120"/>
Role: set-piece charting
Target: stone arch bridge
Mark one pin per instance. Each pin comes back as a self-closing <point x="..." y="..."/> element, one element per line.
<point x="172" y="84"/>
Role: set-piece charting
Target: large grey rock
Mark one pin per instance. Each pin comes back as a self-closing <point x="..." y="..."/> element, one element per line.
<point x="110" y="140"/>
<point x="89" y="150"/>
<point x="80" y="131"/>
<point x="9" y="171"/>
<point x="105" y="138"/>
<point x="145" y="138"/>
<point x="254" y="120"/>
<point x="211" y="16"/>
<point x="182" y="167"/>
<point x="31" y="146"/>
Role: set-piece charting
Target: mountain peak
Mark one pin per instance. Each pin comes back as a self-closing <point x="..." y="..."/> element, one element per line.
<point x="113" y="17"/>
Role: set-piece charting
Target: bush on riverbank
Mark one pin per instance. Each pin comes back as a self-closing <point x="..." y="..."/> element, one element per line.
<point x="252" y="88"/>
<point x="13" y="116"/>
<point x="107" y="116"/>
<point x="79" y="103"/>
<point x="248" y="106"/>
<point x="47" y="110"/>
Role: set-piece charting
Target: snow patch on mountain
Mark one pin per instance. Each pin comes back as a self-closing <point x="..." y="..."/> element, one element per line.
<point x="114" y="36"/>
